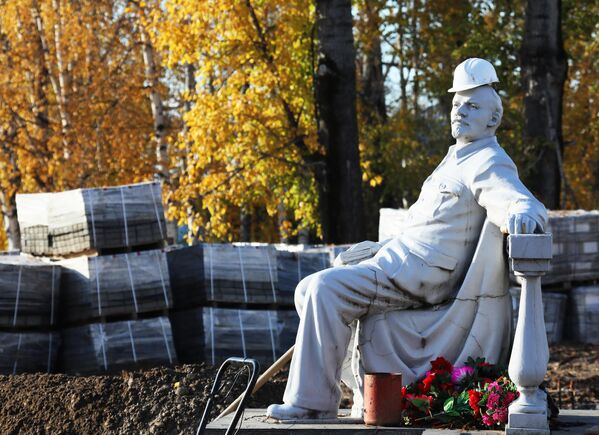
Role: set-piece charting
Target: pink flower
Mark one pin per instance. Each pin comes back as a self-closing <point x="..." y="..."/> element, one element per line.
<point x="458" y="373"/>
<point x="488" y="420"/>
<point x="500" y="415"/>
<point x="493" y="400"/>
<point x="495" y="386"/>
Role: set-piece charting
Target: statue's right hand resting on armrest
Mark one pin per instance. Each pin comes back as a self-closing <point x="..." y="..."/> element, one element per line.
<point x="521" y="223"/>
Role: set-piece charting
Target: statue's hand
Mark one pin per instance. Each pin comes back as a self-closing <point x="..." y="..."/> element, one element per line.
<point x="358" y="252"/>
<point x="521" y="224"/>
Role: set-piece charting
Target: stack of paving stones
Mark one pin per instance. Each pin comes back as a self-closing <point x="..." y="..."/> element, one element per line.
<point x="570" y="287"/>
<point x="215" y="334"/>
<point x="240" y="273"/>
<point x="98" y="219"/>
<point x="243" y="304"/>
<point x="554" y="309"/>
<point x="29" y="297"/>
<point x="114" y="346"/>
<point x="115" y="286"/>
<point x="575" y="246"/>
<point x="574" y="272"/>
<point x="294" y="263"/>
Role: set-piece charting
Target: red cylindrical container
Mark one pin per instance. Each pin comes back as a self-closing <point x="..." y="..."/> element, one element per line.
<point x="382" y="399"/>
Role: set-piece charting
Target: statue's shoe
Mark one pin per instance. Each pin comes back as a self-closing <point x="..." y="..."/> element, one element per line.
<point x="295" y="413"/>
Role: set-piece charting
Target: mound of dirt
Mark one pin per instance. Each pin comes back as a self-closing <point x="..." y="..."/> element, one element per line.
<point x="171" y="400"/>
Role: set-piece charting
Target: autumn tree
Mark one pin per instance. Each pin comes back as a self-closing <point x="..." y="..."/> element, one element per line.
<point x="73" y="108"/>
<point x="581" y="105"/>
<point x="249" y="141"/>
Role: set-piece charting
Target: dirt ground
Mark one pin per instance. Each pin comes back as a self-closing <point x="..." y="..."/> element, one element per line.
<point x="170" y="400"/>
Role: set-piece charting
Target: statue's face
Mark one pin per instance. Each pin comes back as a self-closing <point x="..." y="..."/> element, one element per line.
<point x="472" y="114"/>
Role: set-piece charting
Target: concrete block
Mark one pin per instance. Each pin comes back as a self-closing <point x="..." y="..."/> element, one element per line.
<point x="530" y="246"/>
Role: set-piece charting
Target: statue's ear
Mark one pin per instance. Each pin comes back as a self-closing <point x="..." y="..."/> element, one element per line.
<point x="494" y="121"/>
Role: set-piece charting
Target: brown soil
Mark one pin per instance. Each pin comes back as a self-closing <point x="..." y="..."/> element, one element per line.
<point x="573" y="376"/>
<point x="170" y="400"/>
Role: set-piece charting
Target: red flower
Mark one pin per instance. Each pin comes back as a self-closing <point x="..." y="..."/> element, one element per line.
<point x="428" y="381"/>
<point x="473" y="399"/>
<point x="441" y="365"/>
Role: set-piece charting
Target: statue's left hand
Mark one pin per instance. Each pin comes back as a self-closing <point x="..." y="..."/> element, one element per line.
<point x="356" y="253"/>
<point x="521" y="224"/>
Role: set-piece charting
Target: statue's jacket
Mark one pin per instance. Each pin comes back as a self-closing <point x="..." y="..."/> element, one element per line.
<point x="474" y="181"/>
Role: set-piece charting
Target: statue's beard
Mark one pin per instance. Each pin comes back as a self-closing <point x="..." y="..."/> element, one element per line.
<point x="458" y="130"/>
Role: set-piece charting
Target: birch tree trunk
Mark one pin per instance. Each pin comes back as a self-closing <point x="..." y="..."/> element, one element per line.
<point x="58" y="83"/>
<point x="162" y="158"/>
<point x="152" y="84"/>
<point x="544" y="68"/>
<point x="8" y="203"/>
<point x="341" y="193"/>
<point x="11" y="223"/>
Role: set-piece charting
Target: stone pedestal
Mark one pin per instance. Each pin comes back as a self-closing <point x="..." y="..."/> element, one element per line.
<point x="529" y="258"/>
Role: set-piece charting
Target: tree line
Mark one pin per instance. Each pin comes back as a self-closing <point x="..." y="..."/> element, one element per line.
<point x="271" y="120"/>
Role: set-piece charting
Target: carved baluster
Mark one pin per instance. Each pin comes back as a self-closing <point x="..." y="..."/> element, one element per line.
<point x="529" y="258"/>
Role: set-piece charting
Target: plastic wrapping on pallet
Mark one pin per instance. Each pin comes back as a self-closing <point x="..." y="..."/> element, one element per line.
<point x="28" y="352"/>
<point x="240" y="273"/>
<point x="29" y="292"/>
<point x="583" y="314"/>
<point x="243" y="333"/>
<point x="188" y="334"/>
<point x="287" y="323"/>
<point x="78" y="220"/>
<point x="554" y="309"/>
<point x="575" y="246"/>
<point x="294" y="263"/>
<point x="215" y="334"/>
<point x="110" y="285"/>
<point x="109" y="347"/>
<point x="186" y="272"/>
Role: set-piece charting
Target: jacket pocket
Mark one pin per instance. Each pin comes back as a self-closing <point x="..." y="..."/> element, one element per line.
<point x="433" y="257"/>
<point x="449" y="186"/>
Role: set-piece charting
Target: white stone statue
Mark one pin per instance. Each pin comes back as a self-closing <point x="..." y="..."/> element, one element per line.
<point x="423" y="266"/>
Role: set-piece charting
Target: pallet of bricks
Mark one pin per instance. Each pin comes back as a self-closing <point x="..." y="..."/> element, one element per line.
<point x="29" y="298"/>
<point x="571" y="287"/>
<point x="115" y="285"/>
<point x="241" y="302"/>
<point x="570" y="290"/>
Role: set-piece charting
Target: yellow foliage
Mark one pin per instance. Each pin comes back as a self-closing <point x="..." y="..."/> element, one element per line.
<point x="73" y="110"/>
<point x="250" y="127"/>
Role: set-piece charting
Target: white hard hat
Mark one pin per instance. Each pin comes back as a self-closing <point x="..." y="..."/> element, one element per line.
<point x="472" y="73"/>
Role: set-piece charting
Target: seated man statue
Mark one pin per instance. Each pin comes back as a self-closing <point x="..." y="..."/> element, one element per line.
<point x="424" y="265"/>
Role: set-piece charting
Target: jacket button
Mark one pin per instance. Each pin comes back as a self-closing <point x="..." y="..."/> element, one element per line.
<point x="442" y="186"/>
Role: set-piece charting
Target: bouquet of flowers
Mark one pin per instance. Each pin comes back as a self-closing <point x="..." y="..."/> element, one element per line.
<point x="474" y="395"/>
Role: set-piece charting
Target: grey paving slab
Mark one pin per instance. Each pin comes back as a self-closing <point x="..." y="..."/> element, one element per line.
<point x="254" y="422"/>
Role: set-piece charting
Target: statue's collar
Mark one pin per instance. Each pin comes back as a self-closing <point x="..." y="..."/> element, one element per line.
<point x="463" y="151"/>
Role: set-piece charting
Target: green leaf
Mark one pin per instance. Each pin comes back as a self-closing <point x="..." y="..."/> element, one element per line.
<point x="449" y="405"/>
<point x="421" y="404"/>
